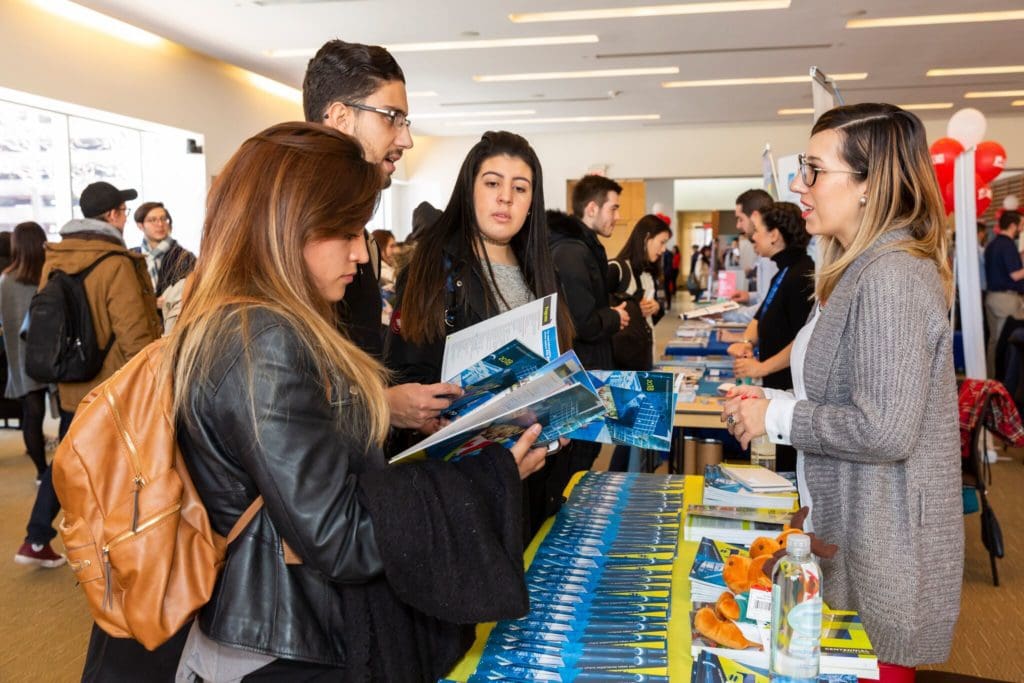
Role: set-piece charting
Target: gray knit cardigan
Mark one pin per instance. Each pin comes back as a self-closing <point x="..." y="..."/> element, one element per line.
<point x="880" y="434"/>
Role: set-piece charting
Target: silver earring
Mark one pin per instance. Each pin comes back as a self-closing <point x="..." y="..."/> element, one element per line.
<point x="863" y="200"/>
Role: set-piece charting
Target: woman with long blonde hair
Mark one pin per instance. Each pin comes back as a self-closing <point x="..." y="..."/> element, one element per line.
<point x="343" y="574"/>
<point x="873" y="413"/>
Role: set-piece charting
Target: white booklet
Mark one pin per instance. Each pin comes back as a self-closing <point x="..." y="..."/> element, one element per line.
<point x="758" y="479"/>
<point x="532" y="323"/>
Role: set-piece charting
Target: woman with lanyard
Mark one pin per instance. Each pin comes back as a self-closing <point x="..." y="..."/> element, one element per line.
<point x="779" y="234"/>
<point x="874" y="408"/>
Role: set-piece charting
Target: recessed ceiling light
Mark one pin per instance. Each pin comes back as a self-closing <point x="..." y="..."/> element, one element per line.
<point x="561" y="119"/>
<point x="981" y="94"/>
<point x="932" y="19"/>
<point x="1017" y="103"/>
<point x="794" y="112"/>
<point x="444" y="45"/>
<point x="99" y="21"/>
<point x="763" y="80"/>
<point x="421" y="93"/>
<point x="925" y="106"/>
<point x="649" y="11"/>
<point x="468" y="114"/>
<point x="539" y="41"/>
<point x="977" y="71"/>
<point x="558" y="75"/>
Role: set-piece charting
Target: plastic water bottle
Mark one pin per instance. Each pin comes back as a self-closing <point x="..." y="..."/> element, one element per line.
<point x="762" y="452"/>
<point x="796" y="614"/>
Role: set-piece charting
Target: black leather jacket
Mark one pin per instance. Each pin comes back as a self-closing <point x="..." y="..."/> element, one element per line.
<point x="289" y="445"/>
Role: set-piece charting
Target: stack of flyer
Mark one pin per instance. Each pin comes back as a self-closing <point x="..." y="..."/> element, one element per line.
<point x="706" y="580"/>
<point x="733" y="524"/>
<point x="600" y="588"/>
<point x="721" y="488"/>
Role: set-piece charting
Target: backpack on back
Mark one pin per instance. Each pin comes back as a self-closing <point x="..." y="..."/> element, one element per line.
<point x="136" y="533"/>
<point x="61" y="344"/>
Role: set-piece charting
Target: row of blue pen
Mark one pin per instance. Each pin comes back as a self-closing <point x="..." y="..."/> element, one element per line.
<point x="600" y="588"/>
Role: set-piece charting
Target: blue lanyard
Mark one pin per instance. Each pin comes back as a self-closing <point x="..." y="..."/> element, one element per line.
<point x="774" y="289"/>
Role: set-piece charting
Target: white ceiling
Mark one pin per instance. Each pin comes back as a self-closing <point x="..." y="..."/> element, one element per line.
<point x="725" y="45"/>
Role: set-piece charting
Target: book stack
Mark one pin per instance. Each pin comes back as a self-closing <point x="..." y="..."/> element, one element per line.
<point x="712" y="668"/>
<point x="600" y="588"/>
<point x="733" y="524"/>
<point x="722" y="487"/>
<point x="706" y="581"/>
<point x="845" y="647"/>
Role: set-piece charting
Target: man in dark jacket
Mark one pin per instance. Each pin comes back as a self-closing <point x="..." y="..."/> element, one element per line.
<point x="582" y="267"/>
<point x="166" y="260"/>
<point x="360" y="90"/>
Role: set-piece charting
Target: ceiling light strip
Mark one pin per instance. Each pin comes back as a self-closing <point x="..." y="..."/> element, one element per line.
<point x="934" y="19"/>
<point x="982" y="94"/>
<point x="560" y="75"/>
<point x="762" y="80"/>
<point x="560" y="119"/>
<point x="100" y="22"/>
<point x="469" y="114"/>
<point x="1017" y="103"/>
<point x="493" y="43"/>
<point x="796" y="112"/>
<point x="274" y="87"/>
<point x="926" y="106"/>
<point x="977" y="71"/>
<point x="649" y="11"/>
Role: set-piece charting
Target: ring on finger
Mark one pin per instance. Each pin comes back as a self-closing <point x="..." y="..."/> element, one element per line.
<point x="731" y="420"/>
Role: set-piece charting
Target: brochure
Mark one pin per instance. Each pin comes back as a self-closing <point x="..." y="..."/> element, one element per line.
<point x="733" y="524"/>
<point x="532" y="323"/>
<point x="712" y="668"/>
<point x="496" y="372"/>
<point x="558" y="395"/>
<point x="640" y="408"/>
<point x="758" y="478"/>
<point x="720" y="489"/>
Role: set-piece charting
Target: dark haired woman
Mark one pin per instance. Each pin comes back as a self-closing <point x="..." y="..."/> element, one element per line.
<point x="487" y="253"/>
<point x="779" y="234"/>
<point x="874" y="408"/>
<point x="18" y="284"/>
<point x="632" y="277"/>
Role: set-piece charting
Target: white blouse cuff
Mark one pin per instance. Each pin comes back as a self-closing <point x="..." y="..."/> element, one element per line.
<point x="778" y="421"/>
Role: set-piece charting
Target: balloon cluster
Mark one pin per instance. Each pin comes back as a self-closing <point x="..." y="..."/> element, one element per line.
<point x="966" y="128"/>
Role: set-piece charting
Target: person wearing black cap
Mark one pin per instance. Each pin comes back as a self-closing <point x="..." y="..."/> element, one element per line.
<point x="123" y="309"/>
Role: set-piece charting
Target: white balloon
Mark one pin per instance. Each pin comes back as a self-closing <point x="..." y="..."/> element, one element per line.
<point x="967" y="126"/>
<point x="1010" y="202"/>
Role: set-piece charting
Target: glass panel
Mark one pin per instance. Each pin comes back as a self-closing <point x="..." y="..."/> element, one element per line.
<point x="33" y="167"/>
<point x="103" y="151"/>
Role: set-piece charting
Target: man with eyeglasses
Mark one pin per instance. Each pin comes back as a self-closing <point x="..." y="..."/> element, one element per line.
<point x="123" y="316"/>
<point x="750" y="205"/>
<point x="360" y="90"/>
<point x="166" y="260"/>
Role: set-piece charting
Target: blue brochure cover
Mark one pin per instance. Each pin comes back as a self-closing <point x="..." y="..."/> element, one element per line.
<point x="640" y="408"/>
<point x="496" y="372"/>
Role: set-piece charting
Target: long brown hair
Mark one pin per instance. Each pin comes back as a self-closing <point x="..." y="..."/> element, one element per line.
<point x="290" y="185"/>
<point x="28" y="249"/>
<point x="887" y="146"/>
<point x="423" y="298"/>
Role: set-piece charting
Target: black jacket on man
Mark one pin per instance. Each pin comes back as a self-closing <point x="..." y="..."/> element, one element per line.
<point x="394" y="573"/>
<point x="177" y="263"/>
<point x="359" y="311"/>
<point x="582" y="267"/>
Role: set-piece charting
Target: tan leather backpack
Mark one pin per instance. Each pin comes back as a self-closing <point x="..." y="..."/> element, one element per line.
<point x="136" y="533"/>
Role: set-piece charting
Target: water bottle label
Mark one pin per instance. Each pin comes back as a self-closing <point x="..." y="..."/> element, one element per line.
<point x="805" y="618"/>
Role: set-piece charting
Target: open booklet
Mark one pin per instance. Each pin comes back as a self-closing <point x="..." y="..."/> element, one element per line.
<point x="559" y="395"/>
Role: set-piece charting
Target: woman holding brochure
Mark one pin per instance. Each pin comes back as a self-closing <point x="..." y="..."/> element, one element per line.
<point x="486" y="254"/>
<point x="874" y="411"/>
<point x="350" y="570"/>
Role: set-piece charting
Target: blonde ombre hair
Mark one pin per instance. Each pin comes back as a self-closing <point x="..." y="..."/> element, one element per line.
<point x="290" y="185"/>
<point x="887" y="146"/>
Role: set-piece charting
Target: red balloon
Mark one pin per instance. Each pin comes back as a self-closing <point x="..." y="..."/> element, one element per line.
<point x="947" y="197"/>
<point x="989" y="160"/>
<point x="983" y="194"/>
<point x="944" y="152"/>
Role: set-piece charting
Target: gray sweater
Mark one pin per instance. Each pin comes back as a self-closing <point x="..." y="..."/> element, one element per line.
<point x="880" y="434"/>
<point x="14" y="300"/>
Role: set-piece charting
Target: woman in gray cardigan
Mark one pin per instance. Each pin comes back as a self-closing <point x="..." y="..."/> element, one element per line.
<point x="874" y="407"/>
<point x="18" y="284"/>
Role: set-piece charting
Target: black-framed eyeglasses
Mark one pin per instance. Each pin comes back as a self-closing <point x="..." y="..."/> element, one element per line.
<point x="397" y="118"/>
<point x="809" y="173"/>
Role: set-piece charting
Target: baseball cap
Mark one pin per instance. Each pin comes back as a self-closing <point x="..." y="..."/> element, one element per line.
<point x="100" y="197"/>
